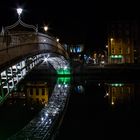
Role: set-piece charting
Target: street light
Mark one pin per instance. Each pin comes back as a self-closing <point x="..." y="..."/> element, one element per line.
<point x="111" y="39"/>
<point x="45" y="28"/>
<point x="57" y="39"/>
<point x="19" y="11"/>
<point x="110" y="50"/>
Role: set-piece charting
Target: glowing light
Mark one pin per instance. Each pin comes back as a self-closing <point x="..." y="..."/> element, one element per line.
<point x="57" y="39"/>
<point x="45" y="59"/>
<point x="65" y="67"/>
<point x="63" y="71"/>
<point x="45" y="28"/>
<point x="117" y="85"/>
<point x="59" y="85"/>
<point x="19" y="11"/>
<point x="116" y="56"/>
<point x="46" y="114"/>
<point x="66" y="85"/>
<point x="63" y="80"/>
<point x="111" y="39"/>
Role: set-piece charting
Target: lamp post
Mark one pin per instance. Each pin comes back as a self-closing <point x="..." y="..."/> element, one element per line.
<point x="45" y="28"/>
<point x="110" y="49"/>
<point x="19" y="11"/>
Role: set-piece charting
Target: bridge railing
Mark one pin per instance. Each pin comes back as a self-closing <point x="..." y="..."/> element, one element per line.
<point x="20" y="44"/>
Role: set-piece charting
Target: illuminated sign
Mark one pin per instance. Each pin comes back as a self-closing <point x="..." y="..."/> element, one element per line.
<point x="116" y="56"/>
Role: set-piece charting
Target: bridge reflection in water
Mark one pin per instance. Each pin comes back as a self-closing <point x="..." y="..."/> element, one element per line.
<point x="17" y="111"/>
<point x="39" y="95"/>
<point x="98" y="104"/>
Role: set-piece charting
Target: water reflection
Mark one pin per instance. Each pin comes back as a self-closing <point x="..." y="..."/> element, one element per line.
<point x="79" y="89"/>
<point x="38" y="92"/>
<point x="119" y="93"/>
<point x="28" y="98"/>
<point x="107" y="108"/>
<point x="46" y="122"/>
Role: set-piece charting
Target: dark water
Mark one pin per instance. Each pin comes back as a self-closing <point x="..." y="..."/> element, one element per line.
<point x="102" y="109"/>
<point x="15" y="114"/>
<point x="97" y="109"/>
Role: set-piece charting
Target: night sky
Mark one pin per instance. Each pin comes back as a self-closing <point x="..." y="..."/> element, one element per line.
<point x="72" y="21"/>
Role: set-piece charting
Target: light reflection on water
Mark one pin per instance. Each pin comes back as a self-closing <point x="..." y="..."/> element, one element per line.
<point x="109" y="107"/>
<point x="23" y="104"/>
<point x="120" y="93"/>
<point x="115" y="92"/>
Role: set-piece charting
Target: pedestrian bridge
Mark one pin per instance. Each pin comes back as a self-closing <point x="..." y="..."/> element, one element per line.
<point x="22" y="47"/>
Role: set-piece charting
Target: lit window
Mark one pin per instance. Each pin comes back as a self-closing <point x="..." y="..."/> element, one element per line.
<point x="120" y="50"/>
<point x="128" y="50"/>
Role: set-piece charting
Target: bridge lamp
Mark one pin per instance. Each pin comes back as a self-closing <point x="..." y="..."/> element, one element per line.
<point x="45" y="28"/>
<point x="57" y="39"/>
<point x="46" y="58"/>
<point x="19" y="11"/>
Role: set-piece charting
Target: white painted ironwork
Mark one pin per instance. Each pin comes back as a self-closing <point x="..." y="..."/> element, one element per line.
<point x="10" y="77"/>
<point x="20" y="22"/>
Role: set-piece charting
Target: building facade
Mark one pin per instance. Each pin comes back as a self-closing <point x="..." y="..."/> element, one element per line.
<point x="121" y="42"/>
<point x="75" y="51"/>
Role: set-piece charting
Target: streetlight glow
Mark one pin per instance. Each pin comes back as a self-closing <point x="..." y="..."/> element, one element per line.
<point x="57" y="39"/>
<point x="45" y="28"/>
<point x="111" y="39"/>
<point x="19" y="11"/>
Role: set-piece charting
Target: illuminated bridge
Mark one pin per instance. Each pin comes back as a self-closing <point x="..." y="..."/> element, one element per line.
<point x="22" y="48"/>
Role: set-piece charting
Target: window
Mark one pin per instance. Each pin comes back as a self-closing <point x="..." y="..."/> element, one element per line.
<point x="120" y="50"/>
<point x="113" y="90"/>
<point x="113" y="51"/>
<point x="43" y="91"/>
<point x="128" y="50"/>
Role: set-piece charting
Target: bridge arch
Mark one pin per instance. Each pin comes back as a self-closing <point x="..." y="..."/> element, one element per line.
<point x="22" y="47"/>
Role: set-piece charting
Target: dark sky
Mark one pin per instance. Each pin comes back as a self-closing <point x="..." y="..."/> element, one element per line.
<point x="82" y="21"/>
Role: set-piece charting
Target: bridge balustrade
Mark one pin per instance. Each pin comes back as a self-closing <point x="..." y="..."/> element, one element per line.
<point x="18" y="45"/>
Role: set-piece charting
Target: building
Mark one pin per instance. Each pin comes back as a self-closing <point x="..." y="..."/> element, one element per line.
<point x="75" y="51"/>
<point x="121" y="42"/>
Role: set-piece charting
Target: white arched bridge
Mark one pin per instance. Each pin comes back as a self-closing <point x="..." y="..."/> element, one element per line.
<point x="22" y="47"/>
